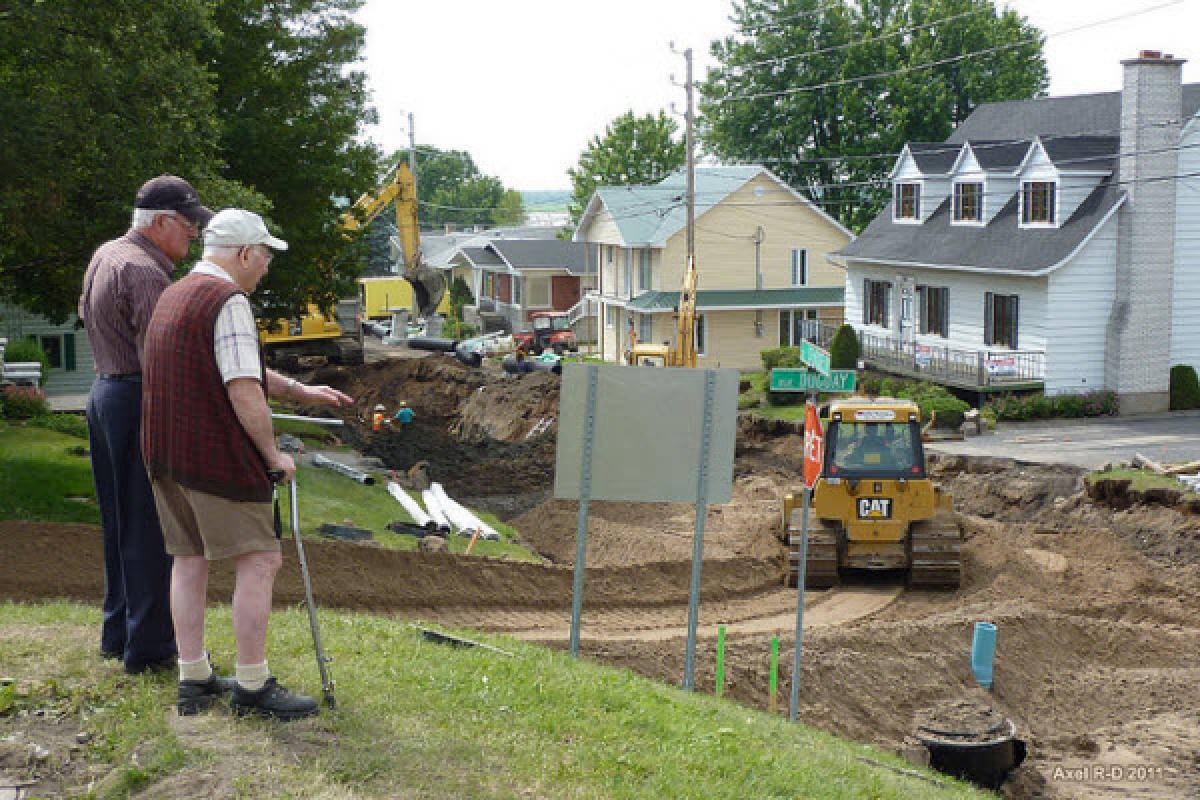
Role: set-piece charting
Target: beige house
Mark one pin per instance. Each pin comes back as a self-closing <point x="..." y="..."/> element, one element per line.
<point x="764" y="280"/>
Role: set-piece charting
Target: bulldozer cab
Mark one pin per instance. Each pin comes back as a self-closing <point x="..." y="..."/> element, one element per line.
<point x="871" y="449"/>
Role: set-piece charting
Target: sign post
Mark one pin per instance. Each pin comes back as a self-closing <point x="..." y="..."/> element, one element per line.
<point x="814" y="454"/>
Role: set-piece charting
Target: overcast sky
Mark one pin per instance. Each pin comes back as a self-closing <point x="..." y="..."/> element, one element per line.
<point x="524" y="84"/>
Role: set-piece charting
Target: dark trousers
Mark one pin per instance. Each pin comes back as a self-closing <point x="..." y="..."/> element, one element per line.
<point x="137" y="569"/>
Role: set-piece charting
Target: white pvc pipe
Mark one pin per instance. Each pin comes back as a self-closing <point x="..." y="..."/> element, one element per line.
<point x="435" y="509"/>
<point x="411" y="506"/>
<point x="469" y="519"/>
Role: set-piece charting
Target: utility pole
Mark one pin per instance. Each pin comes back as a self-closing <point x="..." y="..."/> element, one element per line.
<point x="412" y="148"/>
<point x="691" y="164"/>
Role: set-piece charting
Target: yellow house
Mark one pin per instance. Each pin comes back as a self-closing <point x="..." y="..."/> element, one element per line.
<point x="764" y="279"/>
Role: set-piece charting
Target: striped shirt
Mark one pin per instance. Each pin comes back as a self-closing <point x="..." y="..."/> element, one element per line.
<point x="235" y="335"/>
<point x="120" y="288"/>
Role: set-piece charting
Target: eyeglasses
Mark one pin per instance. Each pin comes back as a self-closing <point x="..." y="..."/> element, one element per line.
<point x="185" y="222"/>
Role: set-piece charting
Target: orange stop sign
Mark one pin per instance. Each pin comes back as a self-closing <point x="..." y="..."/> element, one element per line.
<point x="814" y="445"/>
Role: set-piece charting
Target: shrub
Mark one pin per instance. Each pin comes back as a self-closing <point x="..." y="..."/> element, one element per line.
<point x="786" y="398"/>
<point x="843" y="349"/>
<point x="889" y="387"/>
<point x="931" y="398"/>
<point x="780" y="357"/>
<point x="1038" y="406"/>
<point x="28" y="349"/>
<point x="70" y="424"/>
<point x="24" y="402"/>
<point x="869" y="386"/>
<point x="1185" y="388"/>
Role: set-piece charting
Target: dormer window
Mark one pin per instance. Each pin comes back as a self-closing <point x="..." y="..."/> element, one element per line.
<point x="1037" y="202"/>
<point x="908" y="201"/>
<point x="968" y="202"/>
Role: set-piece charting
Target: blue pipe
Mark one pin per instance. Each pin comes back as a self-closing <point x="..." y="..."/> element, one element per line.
<point x="983" y="652"/>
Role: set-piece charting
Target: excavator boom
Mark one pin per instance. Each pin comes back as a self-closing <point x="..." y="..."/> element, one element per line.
<point x="429" y="285"/>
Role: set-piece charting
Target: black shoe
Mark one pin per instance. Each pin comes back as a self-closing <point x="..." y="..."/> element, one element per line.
<point x="197" y="696"/>
<point x="156" y="666"/>
<point x="112" y="655"/>
<point x="273" y="702"/>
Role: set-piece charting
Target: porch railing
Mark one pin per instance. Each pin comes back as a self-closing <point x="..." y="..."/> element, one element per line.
<point x="952" y="364"/>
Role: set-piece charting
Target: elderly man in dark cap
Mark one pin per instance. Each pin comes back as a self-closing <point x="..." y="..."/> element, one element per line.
<point x="120" y="289"/>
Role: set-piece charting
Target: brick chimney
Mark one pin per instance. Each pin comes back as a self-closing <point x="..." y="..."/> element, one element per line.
<point x="1137" y="364"/>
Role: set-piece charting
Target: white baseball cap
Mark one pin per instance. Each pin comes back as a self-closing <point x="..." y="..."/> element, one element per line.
<point x="237" y="227"/>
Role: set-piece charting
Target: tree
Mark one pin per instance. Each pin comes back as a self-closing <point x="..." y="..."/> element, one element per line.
<point x="633" y="150"/>
<point x="784" y="91"/>
<point x="88" y="117"/>
<point x="452" y="190"/>
<point x="843" y="348"/>
<point x="292" y="111"/>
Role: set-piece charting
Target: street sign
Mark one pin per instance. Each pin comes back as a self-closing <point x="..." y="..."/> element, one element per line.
<point x="789" y="379"/>
<point x="814" y="356"/>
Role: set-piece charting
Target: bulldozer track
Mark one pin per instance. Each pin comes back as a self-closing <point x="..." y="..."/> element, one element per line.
<point x="936" y="546"/>
<point x="821" y="562"/>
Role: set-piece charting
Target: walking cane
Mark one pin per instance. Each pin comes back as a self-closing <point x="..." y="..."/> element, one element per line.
<point x="322" y="659"/>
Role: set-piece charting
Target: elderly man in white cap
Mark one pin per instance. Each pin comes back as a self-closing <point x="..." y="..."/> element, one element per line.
<point x="208" y="445"/>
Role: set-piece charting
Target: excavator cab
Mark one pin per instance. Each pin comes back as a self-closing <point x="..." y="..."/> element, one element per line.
<point x="874" y="507"/>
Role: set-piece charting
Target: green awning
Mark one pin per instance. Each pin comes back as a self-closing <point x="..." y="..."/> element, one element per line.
<point x="742" y="299"/>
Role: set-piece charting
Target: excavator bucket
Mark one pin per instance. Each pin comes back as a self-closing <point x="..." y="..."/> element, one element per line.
<point x="429" y="286"/>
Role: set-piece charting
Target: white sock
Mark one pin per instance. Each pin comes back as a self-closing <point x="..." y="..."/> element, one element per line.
<point x="252" y="677"/>
<point x="198" y="670"/>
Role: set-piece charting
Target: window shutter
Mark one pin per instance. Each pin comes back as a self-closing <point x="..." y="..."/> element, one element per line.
<point x="987" y="318"/>
<point x="1050" y="205"/>
<point x="69" y="352"/>
<point x="1016" y="300"/>
<point x="944" y="320"/>
<point x="804" y="267"/>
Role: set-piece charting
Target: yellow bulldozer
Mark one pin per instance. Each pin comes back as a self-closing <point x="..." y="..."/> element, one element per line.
<point x="873" y="506"/>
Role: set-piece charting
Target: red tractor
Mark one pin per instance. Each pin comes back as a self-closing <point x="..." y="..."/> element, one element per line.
<point x="551" y="331"/>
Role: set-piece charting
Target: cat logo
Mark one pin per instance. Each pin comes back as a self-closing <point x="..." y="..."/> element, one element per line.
<point x="874" y="508"/>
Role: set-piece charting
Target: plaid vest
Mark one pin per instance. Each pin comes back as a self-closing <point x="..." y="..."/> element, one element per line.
<point x="190" y="432"/>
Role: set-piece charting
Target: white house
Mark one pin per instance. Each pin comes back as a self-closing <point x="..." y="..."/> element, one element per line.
<point x="1049" y="243"/>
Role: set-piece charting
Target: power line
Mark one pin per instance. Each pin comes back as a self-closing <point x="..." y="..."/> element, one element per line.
<point x="867" y="40"/>
<point x="779" y="23"/>
<point x="950" y="60"/>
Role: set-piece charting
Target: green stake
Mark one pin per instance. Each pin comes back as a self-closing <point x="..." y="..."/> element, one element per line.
<point x="774" y="674"/>
<point x="720" y="659"/>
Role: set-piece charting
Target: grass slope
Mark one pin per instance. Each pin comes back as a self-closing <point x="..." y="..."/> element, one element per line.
<point x="423" y="720"/>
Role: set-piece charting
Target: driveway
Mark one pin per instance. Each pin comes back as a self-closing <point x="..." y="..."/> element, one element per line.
<point x="1167" y="438"/>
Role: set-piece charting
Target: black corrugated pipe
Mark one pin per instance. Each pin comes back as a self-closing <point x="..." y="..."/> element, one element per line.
<point x="432" y="343"/>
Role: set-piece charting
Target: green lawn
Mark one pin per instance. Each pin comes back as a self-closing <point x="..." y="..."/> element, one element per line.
<point x="417" y="719"/>
<point x="46" y="475"/>
<point x="1142" y="479"/>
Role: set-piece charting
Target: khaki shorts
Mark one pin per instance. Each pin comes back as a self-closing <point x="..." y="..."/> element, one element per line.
<point x="196" y="523"/>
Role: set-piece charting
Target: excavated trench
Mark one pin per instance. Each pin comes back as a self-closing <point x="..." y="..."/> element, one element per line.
<point x="1095" y="606"/>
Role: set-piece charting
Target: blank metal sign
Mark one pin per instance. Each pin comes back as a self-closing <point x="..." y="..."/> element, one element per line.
<point x="647" y="434"/>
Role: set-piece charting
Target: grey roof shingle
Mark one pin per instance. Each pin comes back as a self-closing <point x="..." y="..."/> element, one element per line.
<point x="1000" y="245"/>
<point x="482" y="257"/>
<point x="1005" y="156"/>
<point x="1083" y="152"/>
<point x="544" y="254"/>
<point x="933" y="158"/>
<point x="1095" y="114"/>
<point x="649" y="215"/>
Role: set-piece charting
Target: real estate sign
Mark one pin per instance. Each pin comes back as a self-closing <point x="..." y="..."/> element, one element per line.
<point x="814" y="356"/>
<point x="786" y="379"/>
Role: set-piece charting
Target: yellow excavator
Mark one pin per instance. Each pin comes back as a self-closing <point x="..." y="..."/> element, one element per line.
<point x="683" y="354"/>
<point x="425" y="293"/>
<point x="873" y="506"/>
<point x="289" y="343"/>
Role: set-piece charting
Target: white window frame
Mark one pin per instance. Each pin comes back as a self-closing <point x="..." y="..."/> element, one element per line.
<point x="799" y="266"/>
<point x="645" y="269"/>
<point x="1052" y="206"/>
<point x="868" y="285"/>
<point x="989" y="319"/>
<point x="915" y="219"/>
<point x="942" y="326"/>
<point x="787" y="322"/>
<point x="956" y="204"/>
